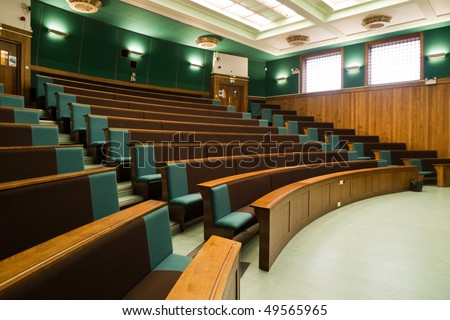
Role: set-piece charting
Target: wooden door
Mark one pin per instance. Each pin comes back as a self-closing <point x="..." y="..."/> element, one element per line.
<point x="10" y="66"/>
<point x="232" y="95"/>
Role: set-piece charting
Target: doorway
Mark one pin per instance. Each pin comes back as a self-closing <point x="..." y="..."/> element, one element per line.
<point x="10" y="66"/>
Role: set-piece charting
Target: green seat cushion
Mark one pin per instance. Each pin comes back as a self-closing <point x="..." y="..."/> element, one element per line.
<point x="187" y="200"/>
<point x="425" y="173"/>
<point x="174" y="262"/>
<point x="234" y="220"/>
<point x="149" y="178"/>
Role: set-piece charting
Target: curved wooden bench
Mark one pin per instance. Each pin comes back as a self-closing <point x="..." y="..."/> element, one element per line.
<point x="127" y="255"/>
<point x="226" y="201"/>
<point x="285" y="211"/>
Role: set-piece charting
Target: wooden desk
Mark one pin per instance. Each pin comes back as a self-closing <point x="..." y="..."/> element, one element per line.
<point x="443" y="174"/>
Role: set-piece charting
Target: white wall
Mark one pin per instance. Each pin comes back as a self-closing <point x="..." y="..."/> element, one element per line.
<point x="11" y="11"/>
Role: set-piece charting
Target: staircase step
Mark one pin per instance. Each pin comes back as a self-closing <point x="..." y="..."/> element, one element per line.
<point x="65" y="138"/>
<point x="88" y="160"/>
<point x="129" y="200"/>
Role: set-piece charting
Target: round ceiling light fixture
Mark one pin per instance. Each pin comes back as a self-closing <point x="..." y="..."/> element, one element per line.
<point x="207" y="42"/>
<point x="85" y="6"/>
<point x="299" y="40"/>
<point x="376" y="22"/>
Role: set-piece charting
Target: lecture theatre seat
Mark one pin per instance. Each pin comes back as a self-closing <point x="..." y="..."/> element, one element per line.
<point x="19" y="163"/>
<point x="2" y="88"/>
<point x="19" y="115"/>
<point x="227" y="210"/>
<point x="12" y="134"/>
<point x="10" y="100"/>
<point x="38" y="209"/>
<point x="133" y="262"/>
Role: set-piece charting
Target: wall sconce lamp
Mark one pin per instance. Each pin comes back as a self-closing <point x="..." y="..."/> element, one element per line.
<point x="140" y="54"/>
<point x="58" y="33"/>
<point x="125" y="53"/>
<point x="195" y="64"/>
<point x="436" y="56"/>
<point x="281" y="78"/>
<point x="352" y="68"/>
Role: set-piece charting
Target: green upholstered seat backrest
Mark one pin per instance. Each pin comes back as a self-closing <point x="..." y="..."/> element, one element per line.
<point x="359" y="148"/>
<point x="62" y="105"/>
<point x="416" y="162"/>
<point x="40" y="88"/>
<point x="335" y="142"/>
<point x="45" y="136"/>
<point x="177" y="183"/>
<point x="95" y="126"/>
<point x="292" y="127"/>
<point x="2" y="88"/>
<point x="266" y="114"/>
<point x="313" y="134"/>
<point x="104" y="195"/>
<point x="50" y="98"/>
<point x="278" y="120"/>
<point x="78" y="111"/>
<point x="69" y="159"/>
<point x="144" y="160"/>
<point x="220" y="202"/>
<point x="12" y="101"/>
<point x="386" y="155"/>
<point x="263" y="123"/>
<point x="26" y="116"/>
<point x="119" y="145"/>
<point x="159" y="236"/>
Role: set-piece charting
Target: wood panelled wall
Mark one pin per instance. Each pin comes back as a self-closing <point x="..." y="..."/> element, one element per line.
<point x="414" y="113"/>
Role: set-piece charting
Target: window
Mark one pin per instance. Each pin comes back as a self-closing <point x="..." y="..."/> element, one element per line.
<point x="395" y="61"/>
<point x="322" y="72"/>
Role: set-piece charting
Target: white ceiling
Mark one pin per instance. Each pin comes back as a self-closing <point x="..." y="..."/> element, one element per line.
<point x="326" y="22"/>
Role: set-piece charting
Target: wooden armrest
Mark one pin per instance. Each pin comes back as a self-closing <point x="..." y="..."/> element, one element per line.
<point x="33" y="260"/>
<point x="213" y="274"/>
<point x="51" y="178"/>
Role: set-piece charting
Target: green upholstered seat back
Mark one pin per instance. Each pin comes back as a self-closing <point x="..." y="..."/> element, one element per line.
<point x="313" y="134"/>
<point x="144" y="160"/>
<point x="177" y="183"/>
<point x="292" y="127"/>
<point x="159" y="236"/>
<point x="335" y="142"/>
<point x="40" y="88"/>
<point x="95" y="126"/>
<point x="386" y="155"/>
<point x="78" y="111"/>
<point x="26" y="116"/>
<point x="69" y="159"/>
<point x="50" y="98"/>
<point x="118" y="145"/>
<point x="104" y="195"/>
<point x="62" y="105"/>
<point x="12" y="101"/>
<point x="220" y="202"/>
<point x="278" y="120"/>
<point x="417" y="163"/>
<point x="266" y="114"/>
<point x="2" y="88"/>
<point x="44" y="136"/>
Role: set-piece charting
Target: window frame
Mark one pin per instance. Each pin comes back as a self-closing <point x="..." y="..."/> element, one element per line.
<point x="368" y="46"/>
<point x="305" y="57"/>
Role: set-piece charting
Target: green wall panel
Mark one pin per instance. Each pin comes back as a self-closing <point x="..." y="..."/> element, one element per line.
<point x="436" y="41"/>
<point x="100" y="50"/>
<point x="57" y="51"/>
<point x="194" y="77"/>
<point x="257" y="78"/>
<point x="163" y="70"/>
<point x="354" y="56"/>
<point x="282" y="68"/>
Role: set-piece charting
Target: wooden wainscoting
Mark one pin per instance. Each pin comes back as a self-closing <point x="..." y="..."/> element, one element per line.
<point x="414" y="113"/>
